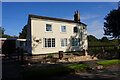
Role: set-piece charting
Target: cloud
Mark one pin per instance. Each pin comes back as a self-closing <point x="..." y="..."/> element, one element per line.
<point x="97" y="33"/>
<point x="96" y="28"/>
<point x="83" y="17"/>
<point x="95" y="24"/>
<point x="89" y="16"/>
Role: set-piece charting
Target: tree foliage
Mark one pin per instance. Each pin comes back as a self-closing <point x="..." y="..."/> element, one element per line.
<point x="8" y="36"/>
<point x="2" y="30"/>
<point x="104" y="39"/>
<point x="23" y="34"/>
<point x="92" y="38"/>
<point x="112" y="23"/>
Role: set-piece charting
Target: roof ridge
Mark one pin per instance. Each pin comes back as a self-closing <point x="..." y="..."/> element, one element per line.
<point x="49" y="17"/>
<point x="52" y="18"/>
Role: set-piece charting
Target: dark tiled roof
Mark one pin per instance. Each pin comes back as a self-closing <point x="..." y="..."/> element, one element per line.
<point x="56" y="19"/>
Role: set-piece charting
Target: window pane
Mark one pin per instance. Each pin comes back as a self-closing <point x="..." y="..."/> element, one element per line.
<point x="84" y="27"/>
<point x="72" y="41"/>
<point x="66" y="42"/>
<point x="78" y="41"/>
<point x="75" y="30"/>
<point x="48" y="27"/>
<point x="49" y="42"/>
<point x="63" y="42"/>
<point x="53" y="42"/>
<point x="75" y="41"/>
<point x="45" y="42"/>
<point x="63" y="28"/>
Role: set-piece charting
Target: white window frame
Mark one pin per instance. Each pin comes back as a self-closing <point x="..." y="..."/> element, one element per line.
<point x="76" y="42"/>
<point x="64" y="43"/>
<point x="47" y="43"/>
<point x="46" y="28"/>
<point x="65" y="29"/>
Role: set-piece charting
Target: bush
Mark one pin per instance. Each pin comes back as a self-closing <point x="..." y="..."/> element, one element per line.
<point x="109" y="48"/>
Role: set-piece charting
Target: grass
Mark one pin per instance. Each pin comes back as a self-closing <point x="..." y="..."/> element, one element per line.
<point x="108" y="62"/>
<point x="79" y="67"/>
<point x="54" y="71"/>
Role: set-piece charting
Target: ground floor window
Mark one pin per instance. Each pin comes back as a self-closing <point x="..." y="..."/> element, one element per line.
<point x="63" y="42"/>
<point x="49" y="42"/>
<point x="75" y="41"/>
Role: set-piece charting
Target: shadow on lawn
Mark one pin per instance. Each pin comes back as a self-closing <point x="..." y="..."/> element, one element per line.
<point x="94" y="75"/>
<point x="111" y="73"/>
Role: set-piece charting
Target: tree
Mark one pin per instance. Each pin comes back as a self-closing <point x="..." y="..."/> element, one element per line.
<point x="104" y="39"/>
<point x="3" y="30"/>
<point x="23" y="34"/>
<point x="8" y="36"/>
<point x="112" y="24"/>
<point x="115" y="41"/>
<point x="92" y="38"/>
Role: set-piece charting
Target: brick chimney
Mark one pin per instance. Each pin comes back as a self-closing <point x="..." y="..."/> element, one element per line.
<point x="77" y="16"/>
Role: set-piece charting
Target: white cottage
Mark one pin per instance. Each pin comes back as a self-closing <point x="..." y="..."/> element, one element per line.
<point x="51" y="35"/>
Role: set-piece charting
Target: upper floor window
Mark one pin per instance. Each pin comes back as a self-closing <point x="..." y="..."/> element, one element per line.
<point x="63" y="28"/>
<point x="84" y="27"/>
<point x="48" y="27"/>
<point x="75" y="30"/>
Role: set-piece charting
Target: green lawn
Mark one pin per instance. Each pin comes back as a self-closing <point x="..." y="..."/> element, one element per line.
<point x="108" y="62"/>
<point x="54" y="71"/>
<point x="78" y="67"/>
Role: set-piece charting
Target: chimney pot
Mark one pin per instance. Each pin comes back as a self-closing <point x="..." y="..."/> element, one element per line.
<point x="75" y="12"/>
<point x="77" y="16"/>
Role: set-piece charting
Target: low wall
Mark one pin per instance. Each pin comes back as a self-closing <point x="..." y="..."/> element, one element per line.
<point x="81" y="58"/>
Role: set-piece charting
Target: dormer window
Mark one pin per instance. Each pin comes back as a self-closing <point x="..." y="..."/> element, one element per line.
<point x="75" y="29"/>
<point x="48" y="27"/>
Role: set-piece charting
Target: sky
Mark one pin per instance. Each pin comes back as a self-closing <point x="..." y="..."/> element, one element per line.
<point x="60" y="0"/>
<point x="15" y="14"/>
